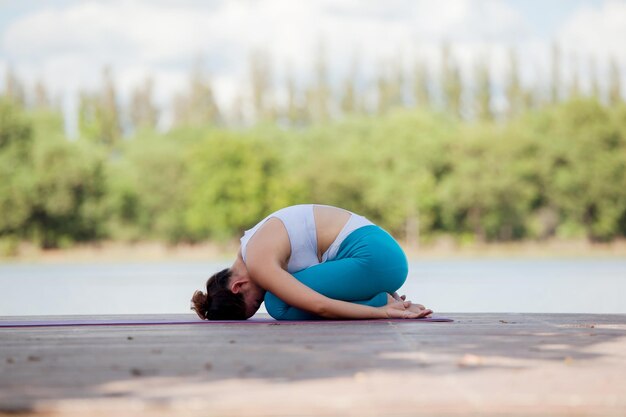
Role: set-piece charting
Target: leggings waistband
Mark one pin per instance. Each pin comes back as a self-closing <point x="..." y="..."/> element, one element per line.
<point x="357" y="234"/>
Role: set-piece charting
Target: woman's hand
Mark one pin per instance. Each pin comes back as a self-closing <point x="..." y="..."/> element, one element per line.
<point x="398" y="307"/>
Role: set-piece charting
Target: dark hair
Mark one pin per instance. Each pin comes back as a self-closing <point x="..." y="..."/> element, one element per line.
<point x="219" y="302"/>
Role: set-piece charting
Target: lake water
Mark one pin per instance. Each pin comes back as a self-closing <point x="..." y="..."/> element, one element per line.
<point x="535" y="286"/>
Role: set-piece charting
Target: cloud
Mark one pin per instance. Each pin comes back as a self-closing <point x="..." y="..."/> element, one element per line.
<point x="595" y="32"/>
<point x="67" y="46"/>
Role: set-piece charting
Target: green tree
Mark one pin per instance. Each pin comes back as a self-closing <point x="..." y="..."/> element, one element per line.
<point x="99" y="116"/>
<point x="197" y="106"/>
<point x="16" y="181"/>
<point x="42" y="99"/>
<point x="586" y="167"/>
<point x="487" y="192"/>
<point x="384" y="92"/>
<point x="261" y="86"/>
<point x="295" y="113"/>
<point x="319" y="95"/>
<point x="555" y="82"/>
<point x="144" y="113"/>
<point x="483" y="91"/>
<point x="69" y="188"/>
<point x="50" y="189"/>
<point x="390" y="87"/>
<point x="396" y="84"/>
<point x="14" y="88"/>
<point x="421" y="91"/>
<point x="236" y="179"/>
<point x="349" y="99"/>
<point x="574" y="88"/>
<point x="615" y="85"/>
<point x="451" y="84"/>
<point x="593" y="75"/>
<point x="148" y="189"/>
<point x="514" y="91"/>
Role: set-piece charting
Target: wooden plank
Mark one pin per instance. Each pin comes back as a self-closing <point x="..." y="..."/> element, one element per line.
<point x="487" y="364"/>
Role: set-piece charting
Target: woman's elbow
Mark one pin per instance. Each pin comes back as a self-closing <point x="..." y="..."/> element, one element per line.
<point x="323" y="309"/>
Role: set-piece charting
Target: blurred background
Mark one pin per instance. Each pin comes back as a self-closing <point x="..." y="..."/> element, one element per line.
<point x="156" y="132"/>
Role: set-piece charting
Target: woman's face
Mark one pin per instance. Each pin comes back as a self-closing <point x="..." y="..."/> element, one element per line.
<point x="241" y="282"/>
<point x="253" y="296"/>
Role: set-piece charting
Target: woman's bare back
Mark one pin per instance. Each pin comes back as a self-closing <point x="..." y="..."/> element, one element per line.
<point x="328" y="223"/>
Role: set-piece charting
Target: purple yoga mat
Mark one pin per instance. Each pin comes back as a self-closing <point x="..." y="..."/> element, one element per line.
<point x="154" y="322"/>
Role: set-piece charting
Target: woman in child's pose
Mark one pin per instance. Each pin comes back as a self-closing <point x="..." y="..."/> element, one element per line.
<point x="309" y="262"/>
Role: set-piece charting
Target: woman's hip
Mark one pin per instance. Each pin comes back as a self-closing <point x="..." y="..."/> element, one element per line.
<point x="375" y="249"/>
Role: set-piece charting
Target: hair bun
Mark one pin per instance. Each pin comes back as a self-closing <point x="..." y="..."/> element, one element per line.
<point x="200" y="304"/>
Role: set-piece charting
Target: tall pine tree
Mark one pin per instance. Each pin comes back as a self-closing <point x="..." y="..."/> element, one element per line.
<point x="514" y="91"/>
<point x="451" y="83"/>
<point x="197" y="106"/>
<point x="483" y="91"/>
<point x="143" y="111"/>
<point x="615" y="85"/>
<point x="555" y="82"/>
<point x="99" y="115"/>
<point x="421" y="91"/>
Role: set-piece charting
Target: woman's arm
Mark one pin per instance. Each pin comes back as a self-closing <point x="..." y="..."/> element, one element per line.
<point x="286" y="287"/>
<point x="392" y="310"/>
<point x="300" y="297"/>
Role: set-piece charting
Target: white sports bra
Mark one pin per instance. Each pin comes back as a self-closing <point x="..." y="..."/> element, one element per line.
<point x="300" y="224"/>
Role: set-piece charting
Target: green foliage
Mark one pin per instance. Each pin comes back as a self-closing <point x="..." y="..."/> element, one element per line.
<point x="69" y="187"/>
<point x="489" y="189"/>
<point x="14" y="128"/>
<point x="99" y="115"/>
<point x="50" y="189"/>
<point x="587" y="167"/>
<point x="16" y="183"/>
<point x="557" y="171"/>
<point x="234" y="180"/>
<point x="147" y="189"/>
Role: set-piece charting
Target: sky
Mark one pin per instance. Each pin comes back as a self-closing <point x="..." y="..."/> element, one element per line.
<point x="66" y="43"/>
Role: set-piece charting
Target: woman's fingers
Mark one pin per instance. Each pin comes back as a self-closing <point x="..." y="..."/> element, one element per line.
<point x="396" y="309"/>
<point x="397" y="313"/>
<point x="406" y="310"/>
<point x="416" y="308"/>
<point x="402" y="310"/>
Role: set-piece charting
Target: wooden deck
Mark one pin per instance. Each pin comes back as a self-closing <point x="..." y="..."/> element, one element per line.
<point x="482" y="364"/>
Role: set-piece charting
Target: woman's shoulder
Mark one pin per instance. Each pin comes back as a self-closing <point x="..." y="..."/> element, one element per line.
<point x="269" y="242"/>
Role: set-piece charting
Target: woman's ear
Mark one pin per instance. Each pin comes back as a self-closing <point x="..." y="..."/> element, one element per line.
<point x="236" y="285"/>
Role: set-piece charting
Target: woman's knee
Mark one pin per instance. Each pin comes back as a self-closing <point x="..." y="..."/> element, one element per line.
<point x="399" y="276"/>
<point x="394" y="273"/>
<point x="394" y="269"/>
<point x="275" y="306"/>
<point x="385" y="250"/>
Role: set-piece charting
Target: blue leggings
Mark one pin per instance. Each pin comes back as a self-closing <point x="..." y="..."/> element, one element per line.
<point x="369" y="264"/>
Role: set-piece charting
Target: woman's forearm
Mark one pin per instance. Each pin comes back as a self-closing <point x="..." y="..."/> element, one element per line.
<point x="337" y="309"/>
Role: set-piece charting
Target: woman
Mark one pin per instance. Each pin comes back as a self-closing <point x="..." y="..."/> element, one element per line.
<point x="311" y="261"/>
